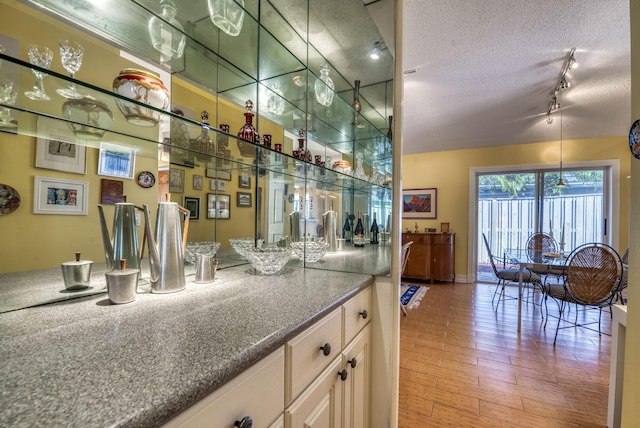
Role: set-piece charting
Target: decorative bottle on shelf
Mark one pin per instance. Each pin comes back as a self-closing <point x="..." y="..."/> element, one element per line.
<point x="358" y="232"/>
<point x="390" y="131"/>
<point x="204" y="144"/>
<point x="346" y="229"/>
<point x="166" y="33"/>
<point x="248" y="133"/>
<point x="323" y="87"/>
<point x="303" y="153"/>
<point x="357" y="106"/>
<point x="374" y="230"/>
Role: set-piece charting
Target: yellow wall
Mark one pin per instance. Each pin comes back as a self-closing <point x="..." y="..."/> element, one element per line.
<point x="449" y="172"/>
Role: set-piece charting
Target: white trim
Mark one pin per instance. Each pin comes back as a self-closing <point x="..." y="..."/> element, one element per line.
<point x="611" y="205"/>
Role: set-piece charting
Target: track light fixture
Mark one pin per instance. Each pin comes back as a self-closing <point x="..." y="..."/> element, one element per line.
<point x="562" y="85"/>
<point x="376" y="50"/>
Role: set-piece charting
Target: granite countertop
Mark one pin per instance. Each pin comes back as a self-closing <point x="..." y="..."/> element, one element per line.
<point x="85" y="362"/>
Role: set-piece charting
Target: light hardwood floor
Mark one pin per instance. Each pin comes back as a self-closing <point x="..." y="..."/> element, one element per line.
<point x="462" y="364"/>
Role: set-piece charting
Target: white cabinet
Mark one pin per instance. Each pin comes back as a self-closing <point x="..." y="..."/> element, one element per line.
<point x="339" y="396"/>
<point x="257" y="393"/>
<point x="357" y="362"/>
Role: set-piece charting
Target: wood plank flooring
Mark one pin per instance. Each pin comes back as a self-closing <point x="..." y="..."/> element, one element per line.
<point x="462" y="364"/>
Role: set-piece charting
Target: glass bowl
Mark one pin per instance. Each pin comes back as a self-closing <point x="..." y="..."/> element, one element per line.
<point x="268" y="260"/>
<point x="309" y="251"/>
<point x="240" y="245"/>
<point x="209" y="248"/>
<point x="359" y="241"/>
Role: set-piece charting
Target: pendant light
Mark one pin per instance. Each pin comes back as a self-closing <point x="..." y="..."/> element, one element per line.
<point x="561" y="181"/>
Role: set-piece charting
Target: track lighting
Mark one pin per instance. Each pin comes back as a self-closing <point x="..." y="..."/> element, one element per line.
<point x="562" y="85"/>
<point x="573" y="64"/>
<point x="376" y="50"/>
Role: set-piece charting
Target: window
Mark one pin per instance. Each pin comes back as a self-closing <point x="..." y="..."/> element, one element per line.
<point x="513" y="205"/>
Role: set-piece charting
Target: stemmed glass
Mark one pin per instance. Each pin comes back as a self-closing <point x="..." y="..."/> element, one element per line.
<point x="71" y="58"/>
<point x="40" y="56"/>
<point x="8" y="97"/>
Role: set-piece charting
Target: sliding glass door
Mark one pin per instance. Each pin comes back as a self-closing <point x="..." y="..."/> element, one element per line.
<point x="513" y="205"/>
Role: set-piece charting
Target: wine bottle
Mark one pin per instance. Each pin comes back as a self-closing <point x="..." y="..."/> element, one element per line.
<point x="374" y="230"/>
<point x="346" y="229"/>
<point x="358" y="232"/>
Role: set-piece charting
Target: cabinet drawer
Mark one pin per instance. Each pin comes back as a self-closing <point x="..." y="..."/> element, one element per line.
<point x="258" y="392"/>
<point x="353" y="313"/>
<point x="304" y="356"/>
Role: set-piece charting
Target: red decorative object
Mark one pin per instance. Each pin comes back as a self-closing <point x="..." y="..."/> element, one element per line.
<point x="248" y="133"/>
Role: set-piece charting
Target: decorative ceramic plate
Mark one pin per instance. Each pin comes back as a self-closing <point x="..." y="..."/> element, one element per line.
<point x="634" y="139"/>
<point x="9" y="199"/>
<point x="146" y="179"/>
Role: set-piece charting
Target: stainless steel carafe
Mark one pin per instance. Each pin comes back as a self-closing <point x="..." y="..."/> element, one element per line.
<point x="166" y="247"/>
<point x="206" y="267"/>
<point x="123" y="244"/>
<point x="330" y="230"/>
<point x="294" y="226"/>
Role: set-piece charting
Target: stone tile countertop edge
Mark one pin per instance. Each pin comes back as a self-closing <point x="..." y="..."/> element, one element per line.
<point x="85" y="362"/>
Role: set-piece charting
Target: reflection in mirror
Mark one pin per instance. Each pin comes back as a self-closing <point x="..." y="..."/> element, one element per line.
<point x="231" y="189"/>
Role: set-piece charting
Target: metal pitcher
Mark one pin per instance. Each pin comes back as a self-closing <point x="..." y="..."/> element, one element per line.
<point x="206" y="267"/>
<point x="166" y="247"/>
<point x="330" y="229"/>
<point x="124" y="241"/>
<point x="294" y="226"/>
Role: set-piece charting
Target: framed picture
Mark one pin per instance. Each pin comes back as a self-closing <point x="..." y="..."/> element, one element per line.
<point x="57" y="149"/>
<point x="218" y="185"/>
<point x="193" y="205"/>
<point x="197" y="182"/>
<point x="244" y="181"/>
<point x="60" y="196"/>
<point x="111" y="191"/>
<point x="444" y="227"/>
<point x="221" y="175"/>
<point x="420" y="203"/>
<point x="244" y="199"/>
<point x="116" y="161"/>
<point x="218" y="206"/>
<point x="176" y="180"/>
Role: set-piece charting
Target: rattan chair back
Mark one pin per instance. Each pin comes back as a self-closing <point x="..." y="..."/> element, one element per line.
<point x="593" y="273"/>
<point x="538" y="244"/>
<point x="406" y="250"/>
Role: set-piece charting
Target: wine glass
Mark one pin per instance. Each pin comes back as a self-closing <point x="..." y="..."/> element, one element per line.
<point x="7" y="97"/>
<point x="40" y="56"/>
<point x="71" y="58"/>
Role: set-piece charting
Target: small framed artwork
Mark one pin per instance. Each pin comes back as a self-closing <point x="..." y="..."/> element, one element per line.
<point x="222" y="186"/>
<point x="444" y="227"/>
<point x="218" y="206"/>
<point x="244" y="181"/>
<point x="60" y="196"/>
<point x="221" y="175"/>
<point x="193" y="205"/>
<point x="56" y="148"/>
<point x="111" y="191"/>
<point x="197" y="182"/>
<point x="420" y="203"/>
<point x="176" y="180"/>
<point x="116" y="161"/>
<point x="244" y="199"/>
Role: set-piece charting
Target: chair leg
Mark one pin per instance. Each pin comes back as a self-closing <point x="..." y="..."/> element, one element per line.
<point x="561" y="308"/>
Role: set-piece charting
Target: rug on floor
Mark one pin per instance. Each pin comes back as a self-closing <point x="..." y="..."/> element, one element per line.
<point x="411" y="295"/>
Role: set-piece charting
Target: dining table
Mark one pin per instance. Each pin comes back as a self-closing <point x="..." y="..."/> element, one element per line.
<point x="549" y="264"/>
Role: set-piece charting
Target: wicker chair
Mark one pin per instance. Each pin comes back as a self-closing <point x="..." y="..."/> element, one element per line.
<point x="624" y="281"/>
<point x="538" y="245"/>
<point x="508" y="274"/>
<point x="593" y="274"/>
<point x="406" y="249"/>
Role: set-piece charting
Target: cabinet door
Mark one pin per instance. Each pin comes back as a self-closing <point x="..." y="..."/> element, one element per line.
<point x="419" y="256"/>
<point x="357" y="385"/>
<point x="356" y="314"/>
<point x="257" y="393"/>
<point x="443" y="256"/>
<point x="320" y="405"/>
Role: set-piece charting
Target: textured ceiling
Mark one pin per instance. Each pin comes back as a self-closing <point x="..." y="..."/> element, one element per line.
<point x="485" y="71"/>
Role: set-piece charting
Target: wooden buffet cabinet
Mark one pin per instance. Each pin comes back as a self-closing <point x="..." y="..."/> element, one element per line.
<point x="432" y="256"/>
